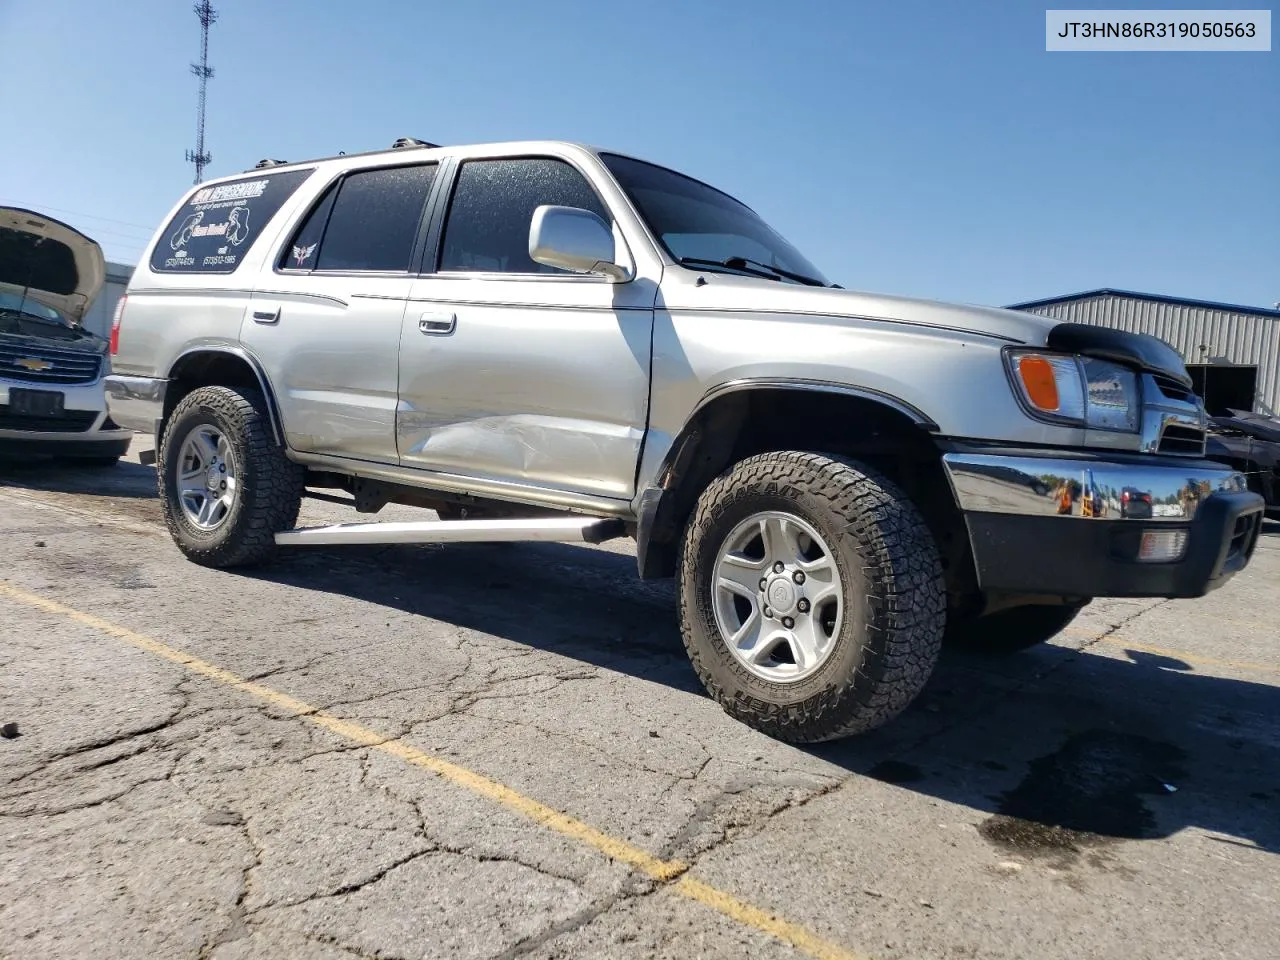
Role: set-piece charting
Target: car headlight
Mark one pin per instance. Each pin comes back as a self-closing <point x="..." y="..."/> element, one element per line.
<point x="1081" y="391"/>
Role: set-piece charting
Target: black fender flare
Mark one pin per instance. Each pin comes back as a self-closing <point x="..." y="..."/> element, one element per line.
<point x="657" y="502"/>
<point x="259" y="373"/>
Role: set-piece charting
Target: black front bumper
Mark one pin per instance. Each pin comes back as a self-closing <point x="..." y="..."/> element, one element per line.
<point x="1027" y="536"/>
<point x="1055" y="556"/>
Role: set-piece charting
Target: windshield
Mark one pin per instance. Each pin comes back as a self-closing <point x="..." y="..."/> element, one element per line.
<point x="695" y="221"/>
<point x="14" y="302"/>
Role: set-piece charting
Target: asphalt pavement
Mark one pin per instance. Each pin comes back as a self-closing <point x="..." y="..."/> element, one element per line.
<point x="500" y="750"/>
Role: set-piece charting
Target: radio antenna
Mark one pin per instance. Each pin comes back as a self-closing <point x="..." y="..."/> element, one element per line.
<point x="204" y="73"/>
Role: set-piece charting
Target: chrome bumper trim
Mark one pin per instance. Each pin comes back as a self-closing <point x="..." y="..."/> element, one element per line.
<point x="1052" y="486"/>
<point x="135" y="402"/>
<point x="66" y="436"/>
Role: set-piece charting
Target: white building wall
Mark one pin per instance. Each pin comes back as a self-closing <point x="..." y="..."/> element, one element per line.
<point x="98" y="317"/>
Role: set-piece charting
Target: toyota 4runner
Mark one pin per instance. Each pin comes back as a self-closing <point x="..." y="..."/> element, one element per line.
<point x="541" y="340"/>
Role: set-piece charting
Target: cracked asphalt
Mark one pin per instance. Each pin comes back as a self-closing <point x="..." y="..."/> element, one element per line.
<point x="500" y="751"/>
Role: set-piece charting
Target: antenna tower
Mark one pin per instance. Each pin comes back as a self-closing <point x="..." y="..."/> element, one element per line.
<point x="203" y="72"/>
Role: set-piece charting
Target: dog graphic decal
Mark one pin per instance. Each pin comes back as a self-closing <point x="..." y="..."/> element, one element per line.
<point x="238" y="225"/>
<point x="183" y="234"/>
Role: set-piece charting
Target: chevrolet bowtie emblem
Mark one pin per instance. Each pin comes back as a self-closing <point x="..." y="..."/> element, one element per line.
<point x="34" y="364"/>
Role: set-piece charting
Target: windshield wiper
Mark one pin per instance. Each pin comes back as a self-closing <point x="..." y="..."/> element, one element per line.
<point x="755" y="267"/>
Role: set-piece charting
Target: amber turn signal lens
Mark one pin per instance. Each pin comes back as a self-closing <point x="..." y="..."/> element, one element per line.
<point x="1042" y="387"/>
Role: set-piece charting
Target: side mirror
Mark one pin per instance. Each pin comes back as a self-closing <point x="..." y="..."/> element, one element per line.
<point x="573" y="239"/>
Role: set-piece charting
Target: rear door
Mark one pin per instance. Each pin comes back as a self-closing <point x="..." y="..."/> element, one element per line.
<point x="514" y="371"/>
<point x="325" y="322"/>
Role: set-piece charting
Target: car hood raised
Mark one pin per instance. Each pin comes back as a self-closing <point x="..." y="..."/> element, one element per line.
<point x="49" y="262"/>
<point x="723" y="292"/>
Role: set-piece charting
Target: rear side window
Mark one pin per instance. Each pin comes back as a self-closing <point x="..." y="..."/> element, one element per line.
<point x="493" y="204"/>
<point x="300" y="253"/>
<point x="367" y="222"/>
<point x="217" y="226"/>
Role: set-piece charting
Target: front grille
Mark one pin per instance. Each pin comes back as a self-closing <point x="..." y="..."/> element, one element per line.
<point x="71" y="421"/>
<point x="1174" y="390"/>
<point x="1181" y="441"/>
<point x="60" y="366"/>
<point x="1173" y="420"/>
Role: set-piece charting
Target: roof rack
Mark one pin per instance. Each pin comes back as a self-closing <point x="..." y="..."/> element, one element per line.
<point x="403" y="143"/>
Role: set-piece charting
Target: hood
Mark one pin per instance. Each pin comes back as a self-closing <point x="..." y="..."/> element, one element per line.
<point x="1248" y="423"/>
<point x="50" y="262"/>
<point x="835" y="306"/>
<point x="750" y="294"/>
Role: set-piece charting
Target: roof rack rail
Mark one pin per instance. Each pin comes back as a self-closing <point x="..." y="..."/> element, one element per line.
<point x="403" y="143"/>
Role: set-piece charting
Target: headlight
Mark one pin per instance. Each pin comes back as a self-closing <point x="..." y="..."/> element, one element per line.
<point x="1081" y="391"/>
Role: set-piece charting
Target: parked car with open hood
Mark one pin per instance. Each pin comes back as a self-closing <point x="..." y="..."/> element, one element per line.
<point x="52" y="368"/>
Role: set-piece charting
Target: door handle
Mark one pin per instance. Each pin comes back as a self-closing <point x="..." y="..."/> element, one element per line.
<point x="268" y="315"/>
<point x="437" y="323"/>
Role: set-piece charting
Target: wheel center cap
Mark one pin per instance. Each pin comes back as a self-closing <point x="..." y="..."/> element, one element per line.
<point x="212" y="477"/>
<point x="781" y="595"/>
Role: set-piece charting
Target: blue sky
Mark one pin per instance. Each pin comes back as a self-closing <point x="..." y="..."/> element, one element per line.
<point x="924" y="148"/>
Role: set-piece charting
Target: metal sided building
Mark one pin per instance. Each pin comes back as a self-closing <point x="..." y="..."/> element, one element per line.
<point x="1232" y="352"/>
<point x="97" y="318"/>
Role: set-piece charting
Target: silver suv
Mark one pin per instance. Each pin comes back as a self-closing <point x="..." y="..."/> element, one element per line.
<point x="546" y="340"/>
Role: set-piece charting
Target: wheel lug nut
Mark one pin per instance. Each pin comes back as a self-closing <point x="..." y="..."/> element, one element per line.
<point x="763" y="583"/>
<point x="788" y="622"/>
<point x="798" y="576"/>
<point x="222" y="485"/>
<point x="768" y="612"/>
<point x="779" y="567"/>
<point x="223" y="467"/>
<point x="803" y="606"/>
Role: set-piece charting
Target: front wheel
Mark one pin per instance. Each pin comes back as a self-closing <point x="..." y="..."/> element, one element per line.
<point x="811" y="596"/>
<point x="226" y="487"/>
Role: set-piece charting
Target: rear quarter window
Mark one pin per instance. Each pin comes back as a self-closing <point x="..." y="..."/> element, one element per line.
<point x="217" y="226"/>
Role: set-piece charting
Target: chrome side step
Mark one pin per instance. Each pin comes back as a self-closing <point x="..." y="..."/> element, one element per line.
<point x="557" y="529"/>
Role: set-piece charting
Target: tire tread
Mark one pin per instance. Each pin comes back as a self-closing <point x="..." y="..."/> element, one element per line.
<point x="271" y="492"/>
<point x="906" y="603"/>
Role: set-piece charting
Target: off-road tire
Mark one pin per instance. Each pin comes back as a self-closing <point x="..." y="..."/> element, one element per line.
<point x="271" y="485"/>
<point x="893" y="595"/>
<point x="1010" y="631"/>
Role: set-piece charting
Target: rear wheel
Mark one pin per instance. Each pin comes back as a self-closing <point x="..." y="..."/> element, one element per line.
<point x="1011" y="630"/>
<point x="811" y="596"/>
<point x="226" y="487"/>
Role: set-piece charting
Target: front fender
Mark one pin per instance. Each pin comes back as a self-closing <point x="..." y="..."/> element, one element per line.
<point x="953" y="380"/>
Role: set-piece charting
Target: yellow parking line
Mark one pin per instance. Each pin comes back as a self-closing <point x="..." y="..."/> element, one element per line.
<point x="1116" y="641"/>
<point x="663" y="871"/>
